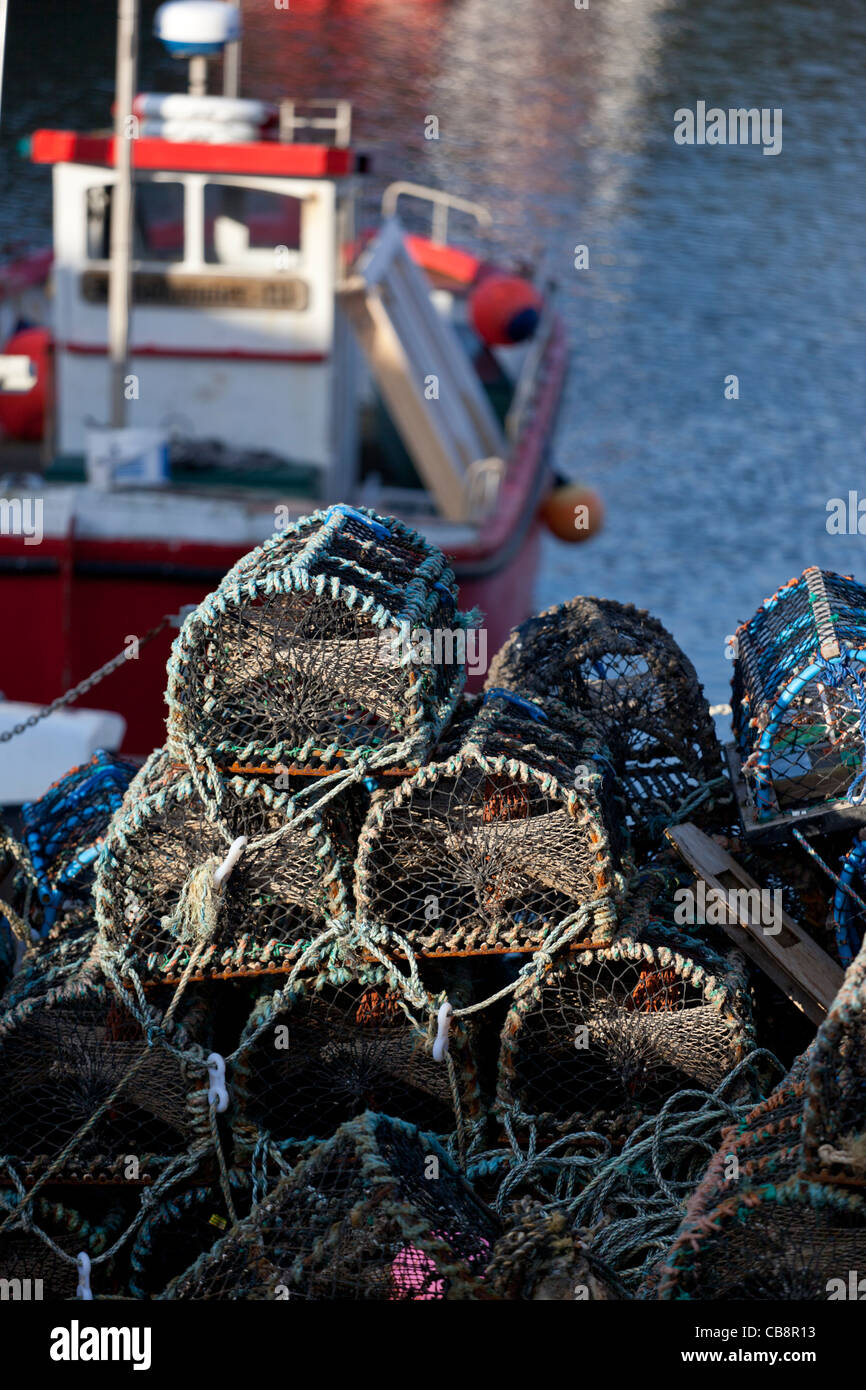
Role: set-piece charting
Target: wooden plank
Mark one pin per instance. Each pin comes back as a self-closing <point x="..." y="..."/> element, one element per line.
<point x="789" y="956"/>
<point x="407" y="342"/>
<point x="438" y="467"/>
<point x="823" y="817"/>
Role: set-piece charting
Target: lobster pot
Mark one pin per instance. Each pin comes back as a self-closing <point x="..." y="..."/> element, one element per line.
<point x="337" y="1043"/>
<point x="834" y="1109"/>
<point x="184" y="1224"/>
<point x="64" y="1049"/>
<point x="63" y="830"/>
<point x="34" y="1270"/>
<point x="797" y="691"/>
<point x="764" y="1147"/>
<point x="299" y="657"/>
<point x="618" y="665"/>
<point x="778" y="1241"/>
<point x="489" y="847"/>
<point x="379" y="1211"/>
<point x="599" y="1039"/>
<point x="46" y="964"/>
<point x="149" y="904"/>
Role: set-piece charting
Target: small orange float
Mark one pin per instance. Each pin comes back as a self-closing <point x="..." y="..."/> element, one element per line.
<point x="572" y="512"/>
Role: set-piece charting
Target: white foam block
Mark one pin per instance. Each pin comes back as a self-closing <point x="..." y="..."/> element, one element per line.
<point x="31" y="761"/>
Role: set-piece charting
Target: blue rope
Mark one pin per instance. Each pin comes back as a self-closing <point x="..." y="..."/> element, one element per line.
<point x="496" y="694"/>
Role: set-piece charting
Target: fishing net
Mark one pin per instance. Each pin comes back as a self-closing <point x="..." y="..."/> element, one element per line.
<point x="88" y="1091"/>
<point x="620" y="666"/>
<point x="598" y="1039"/>
<point x="379" y="1211"/>
<point x="335" y="640"/>
<point x="155" y="895"/>
<point x="799" y="697"/>
<point x="340" y="1041"/>
<point x="183" y="1225"/>
<point x="31" y="1269"/>
<point x="489" y="847"/>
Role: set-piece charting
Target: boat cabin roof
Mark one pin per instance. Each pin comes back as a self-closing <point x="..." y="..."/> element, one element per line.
<point x="264" y="157"/>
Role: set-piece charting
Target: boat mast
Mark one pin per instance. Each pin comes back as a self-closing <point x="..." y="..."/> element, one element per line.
<point x="4" y="15"/>
<point x="232" y="64"/>
<point x="120" y="276"/>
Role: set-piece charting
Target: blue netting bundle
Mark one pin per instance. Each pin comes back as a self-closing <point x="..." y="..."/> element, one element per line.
<point x="62" y="831"/>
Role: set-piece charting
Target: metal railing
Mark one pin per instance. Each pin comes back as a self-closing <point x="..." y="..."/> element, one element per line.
<point x="340" y="120"/>
<point x="442" y="202"/>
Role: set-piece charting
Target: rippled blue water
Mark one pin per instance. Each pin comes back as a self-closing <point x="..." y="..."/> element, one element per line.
<point x="704" y="262"/>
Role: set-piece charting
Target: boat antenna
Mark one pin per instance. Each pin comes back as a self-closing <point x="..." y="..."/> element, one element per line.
<point x="4" y="15"/>
<point x="120" y="277"/>
<point x="232" y="62"/>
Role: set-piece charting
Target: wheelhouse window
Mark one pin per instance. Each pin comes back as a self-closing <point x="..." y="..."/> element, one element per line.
<point x="158" y="222"/>
<point x="251" y="227"/>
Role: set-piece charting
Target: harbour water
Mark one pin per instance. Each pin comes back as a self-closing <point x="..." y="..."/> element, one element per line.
<point x="705" y="262"/>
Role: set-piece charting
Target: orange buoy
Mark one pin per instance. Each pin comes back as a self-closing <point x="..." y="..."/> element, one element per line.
<point x="22" y="414"/>
<point x="572" y="512"/>
<point x="504" y="309"/>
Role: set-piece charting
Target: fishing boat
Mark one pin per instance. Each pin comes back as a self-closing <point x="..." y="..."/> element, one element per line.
<point x="248" y="352"/>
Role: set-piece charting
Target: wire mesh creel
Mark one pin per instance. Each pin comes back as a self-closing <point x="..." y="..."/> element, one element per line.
<point x="799" y="695"/>
<point x="377" y="1212"/>
<point x="834" y="1110"/>
<point x="619" y="666"/>
<point x="597" y="1040"/>
<point x="341" y="1041"/>
<point x="505" y="833"/>
<point x="780" y="1212"/>
<point x="155" y="898"/>
<point x="295" y="659"/>
<point x="86" y="1084"/>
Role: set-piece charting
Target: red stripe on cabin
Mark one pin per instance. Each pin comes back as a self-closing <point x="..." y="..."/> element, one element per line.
<point x="261" y="157"/>
<point x="220" y="354"/>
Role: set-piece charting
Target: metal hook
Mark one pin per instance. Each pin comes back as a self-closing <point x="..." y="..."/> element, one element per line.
<point x="218" y="1091"/>
<point x="82" y="1261"/>
<point x="443" y="1021"/>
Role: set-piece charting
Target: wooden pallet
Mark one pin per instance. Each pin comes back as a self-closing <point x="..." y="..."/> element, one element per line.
<point x="792" y="960"/>
<point x="821" y="818"/>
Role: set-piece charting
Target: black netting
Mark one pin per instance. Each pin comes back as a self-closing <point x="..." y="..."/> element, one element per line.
<point x="618" y="665"/>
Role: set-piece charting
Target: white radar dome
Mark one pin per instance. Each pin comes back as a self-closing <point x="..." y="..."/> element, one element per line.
<point x="193" y="28"/>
